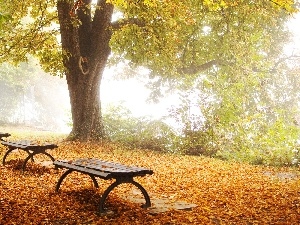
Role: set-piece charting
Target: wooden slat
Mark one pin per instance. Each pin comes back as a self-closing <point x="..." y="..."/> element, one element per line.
<point x="95" y="166"/>
<point x="65" y="164"/>
<point x="25" y="144"/>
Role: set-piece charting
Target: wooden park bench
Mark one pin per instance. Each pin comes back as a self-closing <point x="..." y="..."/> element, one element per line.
<point x="31" y="148"/>
<point x="105" y="170"/>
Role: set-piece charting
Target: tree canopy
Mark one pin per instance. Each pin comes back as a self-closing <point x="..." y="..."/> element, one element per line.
<point x="193" y="35"/>
<point x="228" y="40"/>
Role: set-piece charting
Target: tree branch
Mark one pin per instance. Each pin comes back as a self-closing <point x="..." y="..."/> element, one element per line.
<point x="279" y="61"/>
<point x="85" y="28"/>
<point x="280" y="5"/>
<point x="123" y="22"/>
<point x="284" y="59"/>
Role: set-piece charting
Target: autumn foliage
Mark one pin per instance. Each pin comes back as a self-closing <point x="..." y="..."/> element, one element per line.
<point x="225" y="193"/>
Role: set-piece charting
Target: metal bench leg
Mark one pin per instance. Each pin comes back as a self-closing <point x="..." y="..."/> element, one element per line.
<point x="118" y="182"/>
<point x="30" y="156"/>
<point x="144" y="192"/>
<point x="94" y="181"/>
<point x="62" y="178"/>
<point x="6" y="154"/>
<point x="29" y="153"/>
<point x="37" y="152"/>
<point x="47" y="154"/>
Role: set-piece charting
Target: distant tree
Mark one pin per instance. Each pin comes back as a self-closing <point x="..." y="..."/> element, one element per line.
<point x="29" y="95"/>
<point x="171" y="38"/>
<point x="14" y="83"/>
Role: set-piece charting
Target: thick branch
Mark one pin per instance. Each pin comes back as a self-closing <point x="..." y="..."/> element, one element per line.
<point x="121" y="23"/>
<point x="274" y="68"/>
<point x="69" y="33"/>
<point x="279" y="5"/>
<point x="101" y="32"/>
<point x="84" y="31"/>
<point x="284" y="59"/>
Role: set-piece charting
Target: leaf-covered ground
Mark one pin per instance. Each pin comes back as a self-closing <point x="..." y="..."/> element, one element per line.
<point x="225" y="193"/>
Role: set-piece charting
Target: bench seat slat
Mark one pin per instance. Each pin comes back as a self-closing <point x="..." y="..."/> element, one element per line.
<point x="105" y="169"/>
<point x="65" y="164"/>
<point x="27" y="145"/>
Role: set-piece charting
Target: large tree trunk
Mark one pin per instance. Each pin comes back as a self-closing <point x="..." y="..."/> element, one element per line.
<point x="86" y="48"/>
<point x="86" y="106"/>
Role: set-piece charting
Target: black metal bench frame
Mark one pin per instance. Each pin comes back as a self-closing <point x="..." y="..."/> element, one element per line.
<point x="105" y="170"/>
<point x="31" y="148"/>
<point x="3" y="135"/>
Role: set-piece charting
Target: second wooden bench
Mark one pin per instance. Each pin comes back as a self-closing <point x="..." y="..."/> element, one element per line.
<point x="30" y="147"/>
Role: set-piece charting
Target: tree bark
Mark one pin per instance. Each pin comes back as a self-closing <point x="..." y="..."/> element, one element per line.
<point x="85" y="43"/>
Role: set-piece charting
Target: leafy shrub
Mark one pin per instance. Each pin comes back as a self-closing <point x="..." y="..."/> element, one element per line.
<point x="272" y="144"/>
<point x="253" y="142"/>
<point x="195" y="142"/>
<point x="140" y="132"/>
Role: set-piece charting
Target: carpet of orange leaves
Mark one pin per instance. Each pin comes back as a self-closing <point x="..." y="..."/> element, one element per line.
<point x="225" y="193"/>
